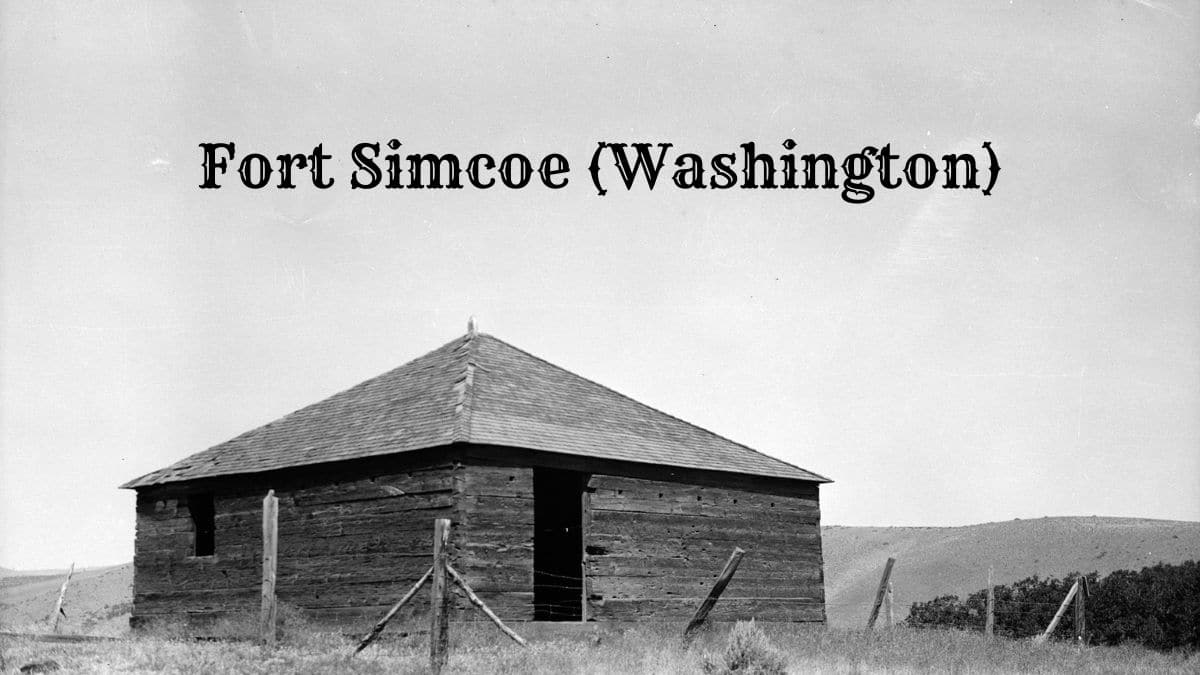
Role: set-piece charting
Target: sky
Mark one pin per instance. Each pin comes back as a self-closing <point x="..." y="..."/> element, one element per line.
<point x="946" y="357"/>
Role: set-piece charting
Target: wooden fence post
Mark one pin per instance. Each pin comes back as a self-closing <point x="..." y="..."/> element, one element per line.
<point x="1059" y="614"/>
<point x="888" y="601"/>
<point x="883" y="586"/>
<point x="718" y="588"/>
<point x="62" y="593"/>
<point x="439" y="614"/>
<point x="585" y="509"/>
<point x="989" y="626"/>
<point x="270" y="528"/>
<point x="1080" y="611"/>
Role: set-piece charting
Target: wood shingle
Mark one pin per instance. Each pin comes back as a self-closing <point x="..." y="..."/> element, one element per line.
<point x="481" y="390"/>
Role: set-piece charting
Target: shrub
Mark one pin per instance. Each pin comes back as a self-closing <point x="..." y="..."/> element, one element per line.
<point x="1158" y="607"/>
<point x="746" y="651"/>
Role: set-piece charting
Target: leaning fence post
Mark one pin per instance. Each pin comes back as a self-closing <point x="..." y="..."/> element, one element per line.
<point x="888" y="600"/>
<point x="439" y="614"/>
<point x="62" y="593"/>
<point x="989" y="626"/>
<point x="1059" y="614"/>
<point x="883" y="586"/>
<point x="382" y="623"/>
<point x="270" y="553"/>
<point x="718" y="588"/>
<point x="466" y="589"/>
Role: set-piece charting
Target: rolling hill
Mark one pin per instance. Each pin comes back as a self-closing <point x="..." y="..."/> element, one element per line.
<point x="97" y="600"/>
<point x="931" y="561"/>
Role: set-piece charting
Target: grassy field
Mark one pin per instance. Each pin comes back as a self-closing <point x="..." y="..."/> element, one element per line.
<point x="649" y="649"/>
<point x="932" y="561"/>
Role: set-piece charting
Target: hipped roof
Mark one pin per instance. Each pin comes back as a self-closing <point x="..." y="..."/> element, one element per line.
<point x="475" y="389"/>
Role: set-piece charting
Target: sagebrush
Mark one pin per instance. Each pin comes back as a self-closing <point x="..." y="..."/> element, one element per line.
<point x="747" y="650"/>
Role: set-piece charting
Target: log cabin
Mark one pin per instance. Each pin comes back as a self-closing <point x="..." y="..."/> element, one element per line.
<point x="569" y="502"/>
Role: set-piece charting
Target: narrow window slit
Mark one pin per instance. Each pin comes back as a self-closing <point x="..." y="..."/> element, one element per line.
<point x="203" y="524"/>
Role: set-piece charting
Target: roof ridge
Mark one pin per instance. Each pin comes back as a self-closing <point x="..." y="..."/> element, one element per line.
<point x="650" y="407"/>
<point x="464" y="390"/>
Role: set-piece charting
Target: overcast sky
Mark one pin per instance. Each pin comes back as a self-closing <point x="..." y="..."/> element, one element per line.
<point x="947" y="358"/>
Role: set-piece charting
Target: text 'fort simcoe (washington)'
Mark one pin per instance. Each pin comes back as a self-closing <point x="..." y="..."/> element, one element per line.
<point x="857" y="176"/>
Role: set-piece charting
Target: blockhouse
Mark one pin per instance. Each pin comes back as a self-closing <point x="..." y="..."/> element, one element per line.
<point x="569" y="502"/>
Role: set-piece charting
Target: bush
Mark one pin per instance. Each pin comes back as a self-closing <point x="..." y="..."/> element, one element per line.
<point x="1158" y="607"/>
<point x="746" y="651"/>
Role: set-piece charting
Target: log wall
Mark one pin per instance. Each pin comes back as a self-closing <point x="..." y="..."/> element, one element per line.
<point x="495" y="548"/>
<point x="655" y="548"/>
<point x="350" y="546"/>
<point x="347" y="548"/>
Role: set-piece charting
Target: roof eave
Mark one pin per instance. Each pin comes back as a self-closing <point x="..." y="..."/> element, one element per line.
<point x="149" y="480"/>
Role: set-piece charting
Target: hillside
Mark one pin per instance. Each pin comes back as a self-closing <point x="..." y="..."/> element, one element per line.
<point x="97" y="600"/>
<point x="931" y="561"/>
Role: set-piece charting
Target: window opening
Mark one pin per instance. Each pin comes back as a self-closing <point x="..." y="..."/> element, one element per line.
<point x="203" y="524"/>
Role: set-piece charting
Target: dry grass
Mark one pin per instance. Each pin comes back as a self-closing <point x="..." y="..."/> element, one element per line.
<point x="647" y="649"/>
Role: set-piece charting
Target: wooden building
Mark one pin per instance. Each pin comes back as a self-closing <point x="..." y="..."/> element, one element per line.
<point x="569" y="502"/>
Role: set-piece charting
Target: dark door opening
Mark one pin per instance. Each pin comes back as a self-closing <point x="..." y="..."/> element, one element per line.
<point x="558" y="544"/>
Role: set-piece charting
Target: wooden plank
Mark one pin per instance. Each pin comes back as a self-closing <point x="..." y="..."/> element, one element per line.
<point x="718" y="588"/>
<point x="382" y="623"/>
<point x="270" y="524"/>
<point x="439" y="614"/>
<point x="1059" y="614"/>
<point x="883" y="585"/>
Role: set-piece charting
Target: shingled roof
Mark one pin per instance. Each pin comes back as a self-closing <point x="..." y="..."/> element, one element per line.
<point x="475" y="389"/>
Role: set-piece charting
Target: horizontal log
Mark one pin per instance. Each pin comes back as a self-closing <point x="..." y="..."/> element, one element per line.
<point x="626" y="588"/>
<point x="729" y="608"/>
<point x="497" y="481"/>
<point x="705" y="501"/>
<point x="638" y="523"/>
<point x="643" y="486"/>
<point x="500" y="510"/>
<point x="677" y="539"/>
<point x="369" y="490"/>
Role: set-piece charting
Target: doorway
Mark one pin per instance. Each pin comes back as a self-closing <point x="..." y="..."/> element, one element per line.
<point x="558" y="544"/>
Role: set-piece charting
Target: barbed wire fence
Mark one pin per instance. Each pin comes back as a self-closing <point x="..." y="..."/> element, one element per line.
<point x="446" y="581"/>
<point x="975" y="614"/>
<point x="442" y="574"/>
